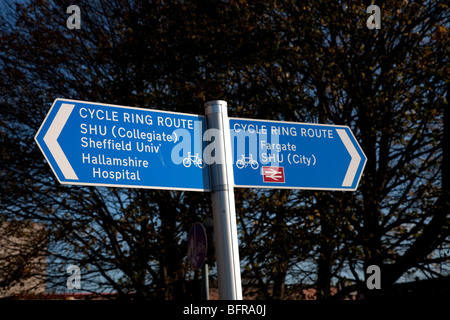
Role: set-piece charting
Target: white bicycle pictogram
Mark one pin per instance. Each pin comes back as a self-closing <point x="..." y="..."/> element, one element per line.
<point x="193" y="159"/>
<point x="245" y="161"/>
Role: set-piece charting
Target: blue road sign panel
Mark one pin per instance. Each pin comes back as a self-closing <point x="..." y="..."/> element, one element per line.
<point x="278" y="154"/>
<point x="96" y="144"/>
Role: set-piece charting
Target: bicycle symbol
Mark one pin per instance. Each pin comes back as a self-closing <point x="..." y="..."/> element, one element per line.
<point x="193" y="159"/>
<point x="245" y="161"/>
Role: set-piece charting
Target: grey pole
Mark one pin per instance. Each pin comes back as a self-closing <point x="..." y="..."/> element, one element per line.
<point x="205" y="282"/>
<point x="222" y="194"/>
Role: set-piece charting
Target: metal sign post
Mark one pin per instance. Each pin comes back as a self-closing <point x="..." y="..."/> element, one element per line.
<point x="222" y="194"/>
<point x="97" y="144"/>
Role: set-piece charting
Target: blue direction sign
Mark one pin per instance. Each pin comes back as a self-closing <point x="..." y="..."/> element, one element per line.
<point x="276" y="154"/>
<point x="96" y="144"/>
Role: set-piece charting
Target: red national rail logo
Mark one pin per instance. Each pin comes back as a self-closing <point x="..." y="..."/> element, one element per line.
<point x="273" y="174"/>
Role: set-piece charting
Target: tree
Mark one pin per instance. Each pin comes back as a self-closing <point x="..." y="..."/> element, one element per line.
<point x="135" y="235"/>
<point x="388" y="87"/>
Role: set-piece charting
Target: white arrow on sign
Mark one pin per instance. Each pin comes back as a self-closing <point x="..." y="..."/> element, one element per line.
<point x="51" y="140"/>
<point x="356" y="158"/>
